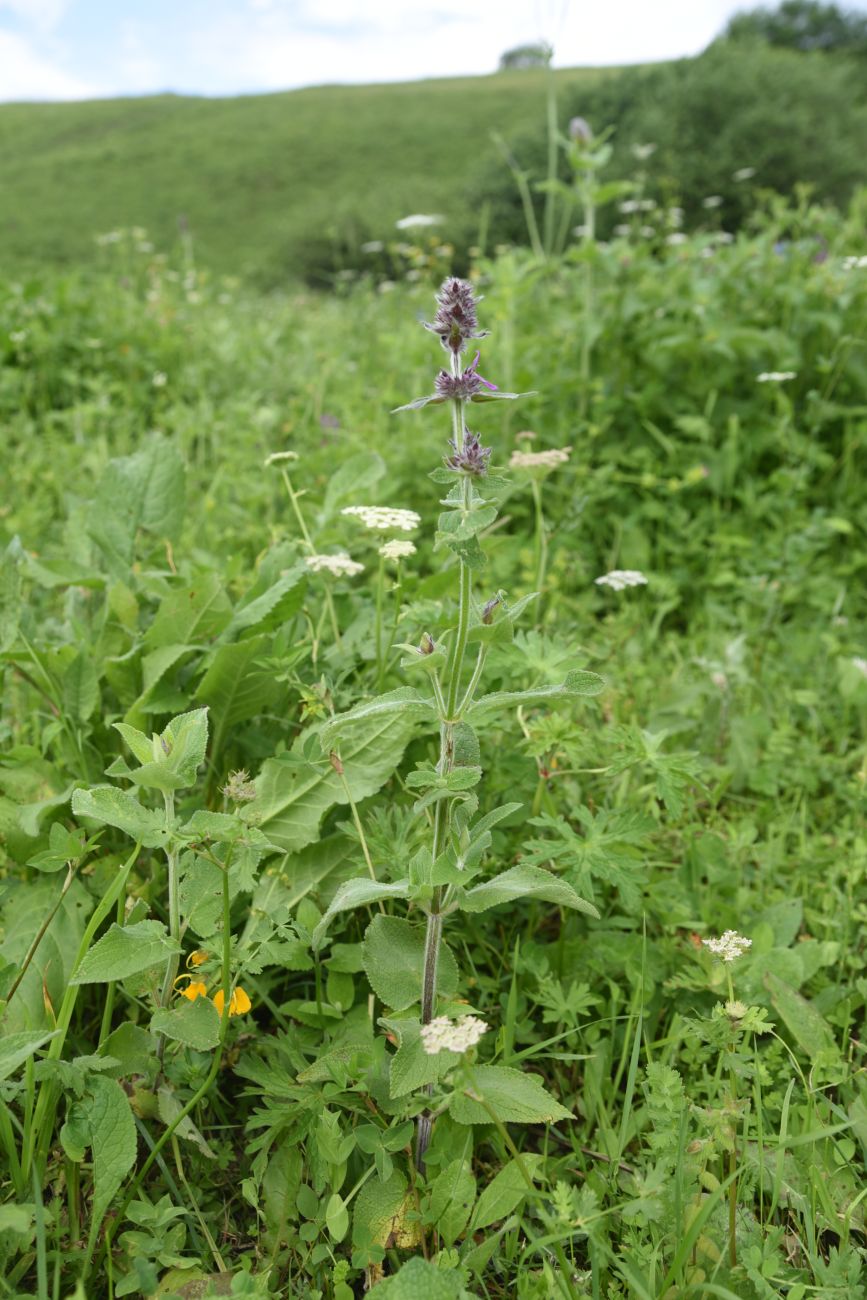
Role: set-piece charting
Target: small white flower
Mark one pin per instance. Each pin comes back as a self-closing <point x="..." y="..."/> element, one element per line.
<point x="339" y="565"/>
<point x="620" y="579"/>
<point x="675" y="216"/>
<point x="854" y="263"/>
<point x="160" y="379"/>
<point x="729" y="947"/>
<point x="859" y="663"/>
<point x="396" y="549"/>
<point x="775" y="376"/>
<point x="676" y="237"/>
<point x="372" y="246"/>
<point x="712" y="201"/>
<point x="643" y="151"/>
<point x="280" y="457"/>
<point x="18" y="336"/>
<point x="622" y="230"/>
<point x="418" y="219"/>
<point x="383" y="518"/>
<point x="628" y="206"/>
<point x="744" y="174"/>
<point x="549" y="459"/>
<point x="647" y="232"/>
<point x="444" y="1035"/>
<point x="720" y="681"/>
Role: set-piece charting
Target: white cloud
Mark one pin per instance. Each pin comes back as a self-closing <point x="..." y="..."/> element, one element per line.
<point x="44" y="15"/>
<point x="25" y="74"/>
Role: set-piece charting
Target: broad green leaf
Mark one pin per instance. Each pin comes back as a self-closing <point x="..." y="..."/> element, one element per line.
<point x="113" y="807"/>
<point x="191" y="614"/>
<point x="385" y="1214"/>
<point x="405" y="702"/>
<point x="807" y="1026"/>
<point x="336" y="1217"/>
<point x="271" y="607"/>
<point x="418" y="1279"/>
<point x="452" y="1196"/>
<point x="16" y="1048"/>
<point x="27" y="905"/>
<point x="63" y="847"/>
<point x="514" y="1096"/>
<point x="412" y="1067"/>
<point x="143" y="491"/>
<point x="169" y="1109"/>
<point x="280" y="1183"/>
<point x="124" y="951"/>
<point x="195" y="1024"/>
<point x="505" y="1192"/>
<point x="357" y="893"/>
<point x="113" y="1142"/>
<point x="294" y="793"/>
<point x="80" y="688"/>
<point x="235" y="687"/>
<point x="524" y="882"/>
<point x="393" y="954"/>
<point x="576" y="684"/>
<point x="132" y="1047"/>
<point x="140" y="744"/>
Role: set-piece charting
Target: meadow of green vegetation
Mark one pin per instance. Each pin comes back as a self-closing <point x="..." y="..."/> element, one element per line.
<point x="641" y="1120"/>
<point x="265" y="182"/>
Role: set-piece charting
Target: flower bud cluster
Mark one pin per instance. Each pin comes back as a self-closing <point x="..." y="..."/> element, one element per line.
<point x="456" y="321"/>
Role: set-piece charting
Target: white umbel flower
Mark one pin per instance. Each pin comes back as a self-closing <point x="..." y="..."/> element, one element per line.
<point x="340" y="565"/>
<point x="396" y="549"/>
<point x="384" y="518"/>
<point x="444" y="1035"/>
<point x="549" y="459"/>
<point x="620" y="579"/>
<point x="418" y="220"/>
<point x="854" y="263"/>
<point x="775" y="376"/>
<point x="729" y="946"/>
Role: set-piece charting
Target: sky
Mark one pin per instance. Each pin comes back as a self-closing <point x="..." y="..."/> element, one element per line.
<point x="83" y="49"/>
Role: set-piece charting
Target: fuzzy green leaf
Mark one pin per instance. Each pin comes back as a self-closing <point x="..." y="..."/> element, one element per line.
<point x="452" y="1196"/>
<point x="113" y="807"/>
<point x="524" y="882"/>
<point x="356" y="893"/>
<point x="113" y="1141"/>
<point x="393" y="954"/>
<point x="195" y="1024"/>
<point x="576" y="684"/>
<point x="505" y="1192"/>
<point x="124" y="951"/>
<point x="515" y="1097"/>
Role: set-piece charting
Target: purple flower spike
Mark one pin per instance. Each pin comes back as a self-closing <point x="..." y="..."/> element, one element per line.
<point x="456" y="320"/>
<point x="464" y="386"/>
<point x="471" y="458"/>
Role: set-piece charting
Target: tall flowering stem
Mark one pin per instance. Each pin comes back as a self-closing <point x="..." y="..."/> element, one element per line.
<point x="455" y="323"/>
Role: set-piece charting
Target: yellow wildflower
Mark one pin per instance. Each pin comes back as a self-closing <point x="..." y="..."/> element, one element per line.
<point x="195" y="989"/>
<point x="197" y="958"/>
<point x="239" y="1003"/>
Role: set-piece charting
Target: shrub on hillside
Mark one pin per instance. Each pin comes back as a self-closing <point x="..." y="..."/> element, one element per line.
<point x="788" y="117"/>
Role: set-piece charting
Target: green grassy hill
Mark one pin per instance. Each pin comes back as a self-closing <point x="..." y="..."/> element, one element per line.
<point x="257" y="177"/>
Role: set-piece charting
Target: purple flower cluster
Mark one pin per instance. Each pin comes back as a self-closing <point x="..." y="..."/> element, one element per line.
<point x="462" y="387"/>
<point x="471" y="458"/>
<point x="456" y="321"/>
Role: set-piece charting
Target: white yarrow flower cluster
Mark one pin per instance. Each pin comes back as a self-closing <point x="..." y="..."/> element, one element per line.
<point x="744" y="174"/>
<point x="549" y="459"/>
<point x="859" y="663"/>
<point x="620" y="579"/>
<point x="396" y="549"/>
<point x="417" y="220"/>
<point x="340" y="565"/>
<point x="775" y="376"/>
<point x="384" y="518"/>
<point x="854" y="263"/>
<point x="444" y="1035"/>
<point x="729" y="946"/>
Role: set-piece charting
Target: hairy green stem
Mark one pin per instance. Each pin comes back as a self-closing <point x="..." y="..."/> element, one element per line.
<point x="308" y="542"/>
